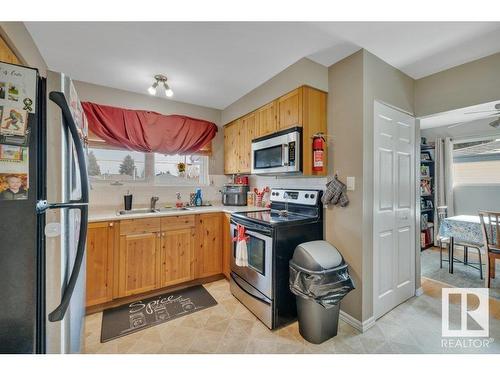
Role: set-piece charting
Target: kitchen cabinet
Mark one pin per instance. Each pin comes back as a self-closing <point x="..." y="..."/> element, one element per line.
<point x="303" y="107"/>
<point x="177" y="250"/>
<point x="101" y="239"/>
<point x="208" y="247"/>
<point x="246" y="134"/>
<point x="267" y="119"/>
<point x="138" y="256"/>
<point x="227" y="246"/>
<point x="290" y="109"/>
<point x="134" y="256"/>
<point x="7" y="55"/>
<point x="231" y="148"/>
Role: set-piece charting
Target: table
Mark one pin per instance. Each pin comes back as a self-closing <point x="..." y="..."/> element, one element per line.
<point x="465" y="230"/>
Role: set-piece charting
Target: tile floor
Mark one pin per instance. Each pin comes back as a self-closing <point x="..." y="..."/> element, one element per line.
<point x="413" y="327"/>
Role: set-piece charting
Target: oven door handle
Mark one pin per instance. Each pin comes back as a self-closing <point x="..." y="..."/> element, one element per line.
<point x="254" y="227"/>
<point x="250" y="293"/>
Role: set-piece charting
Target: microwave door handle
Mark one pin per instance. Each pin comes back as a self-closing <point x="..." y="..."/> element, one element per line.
<point x="284" y="155"/>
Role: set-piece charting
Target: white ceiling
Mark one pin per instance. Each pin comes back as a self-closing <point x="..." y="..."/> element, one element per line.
<point x="215" y="63"/>
<point x="461" y="116"/>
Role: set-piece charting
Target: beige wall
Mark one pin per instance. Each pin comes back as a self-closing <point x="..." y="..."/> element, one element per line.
<point x="19" y="39"/>
<point x="383" y="83"/>
<point x="345" y="137"/>
<point x="303" y="72"/>
<point x="120" y="98"/>
<point x="354" y="84"/>
<point x="472" y="83"/>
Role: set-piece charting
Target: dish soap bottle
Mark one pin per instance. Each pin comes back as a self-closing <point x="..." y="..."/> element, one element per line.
<point x="197" y="198"/>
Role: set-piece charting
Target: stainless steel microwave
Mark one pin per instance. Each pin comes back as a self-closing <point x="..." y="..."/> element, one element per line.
<point x="278" y="153"/>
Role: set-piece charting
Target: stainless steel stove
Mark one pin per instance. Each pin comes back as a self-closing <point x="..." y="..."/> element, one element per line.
<point x="295" y="216"/>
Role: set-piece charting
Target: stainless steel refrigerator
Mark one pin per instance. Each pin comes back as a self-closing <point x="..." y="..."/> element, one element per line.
<point x="42" y="234"/>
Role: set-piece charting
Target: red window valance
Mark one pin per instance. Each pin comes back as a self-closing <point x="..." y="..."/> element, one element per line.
<point x="147" y="131"/>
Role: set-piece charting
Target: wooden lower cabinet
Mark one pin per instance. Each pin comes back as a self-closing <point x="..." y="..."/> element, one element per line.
<point x="208" y="247"/>
<point x="227" y="246"/>
<point x="135" y="256"/>
<point x="176" y="256"/>
<point x="138" y="259"/>
<point x="101" y="239"/>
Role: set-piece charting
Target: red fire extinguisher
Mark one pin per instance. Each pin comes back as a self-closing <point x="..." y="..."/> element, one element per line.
<point x="318" y="152"/>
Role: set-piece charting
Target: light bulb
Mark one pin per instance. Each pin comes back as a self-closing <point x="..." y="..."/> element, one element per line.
<point x="168" y="90"/>
<point x="152" y="89"/>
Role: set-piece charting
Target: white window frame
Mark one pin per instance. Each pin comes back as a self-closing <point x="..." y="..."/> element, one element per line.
<point x="149" y="173"/>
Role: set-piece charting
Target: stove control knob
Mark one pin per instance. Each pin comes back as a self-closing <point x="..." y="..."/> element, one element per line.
<point x="312" y="196"/>
<point x="307" y="196"/>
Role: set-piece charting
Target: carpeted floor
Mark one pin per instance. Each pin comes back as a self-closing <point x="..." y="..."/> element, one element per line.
<point x="463" y="276"/>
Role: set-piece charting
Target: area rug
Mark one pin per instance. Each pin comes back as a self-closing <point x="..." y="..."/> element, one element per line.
<point x="463" y="276"/>
<point x="141" y="314"/>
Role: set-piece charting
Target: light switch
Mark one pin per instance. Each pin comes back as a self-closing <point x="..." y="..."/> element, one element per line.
<point x="350" y="183"/>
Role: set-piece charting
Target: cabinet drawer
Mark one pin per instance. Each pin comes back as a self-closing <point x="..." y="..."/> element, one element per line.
<point x="177" y="222"/>
<point x="139" y="226"/>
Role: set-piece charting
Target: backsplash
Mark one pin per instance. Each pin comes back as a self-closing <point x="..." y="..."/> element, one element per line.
<point x="111" y="196"/>
<point x="288" y="182"/>
<point x="105" y="196"/>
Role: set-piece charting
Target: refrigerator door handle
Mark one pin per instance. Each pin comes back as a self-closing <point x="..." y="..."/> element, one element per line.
<point x="79" y="204"/>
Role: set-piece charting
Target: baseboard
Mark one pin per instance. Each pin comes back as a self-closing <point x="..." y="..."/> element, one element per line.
<point x="419" y="292"/>
<point x="355" y="323"/>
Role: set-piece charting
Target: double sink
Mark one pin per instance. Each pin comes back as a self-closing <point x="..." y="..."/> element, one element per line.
<point x="136" y="211"/>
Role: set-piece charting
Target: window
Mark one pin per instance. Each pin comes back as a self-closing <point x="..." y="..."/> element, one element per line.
<point x="476" y="162"/>
<point x="123" y="166"/>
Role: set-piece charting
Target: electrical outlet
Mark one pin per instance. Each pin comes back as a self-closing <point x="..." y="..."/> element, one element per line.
<point x="350" y="183"/>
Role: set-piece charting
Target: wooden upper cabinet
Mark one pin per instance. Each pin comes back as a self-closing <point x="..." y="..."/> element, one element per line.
<point x="139" y="257"/>
<point x="6" y="54"/>
<point x="290" y="109"/>
<point x="176" y="255"/>
<point x="267" y="119"/>
<point x="231" y="151"/>
<point x="209" y="244"/>
<point x="100" y="261"/>
<point x="246" y="134"/>
<point x="314" y="120"/>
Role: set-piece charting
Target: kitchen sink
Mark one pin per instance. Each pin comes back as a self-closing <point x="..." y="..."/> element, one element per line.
<point x="136" y="211"/>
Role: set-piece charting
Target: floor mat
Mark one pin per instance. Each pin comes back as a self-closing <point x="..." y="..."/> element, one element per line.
<point x="141" y="314"/>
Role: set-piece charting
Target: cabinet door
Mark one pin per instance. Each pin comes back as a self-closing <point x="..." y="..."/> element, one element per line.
<point x="267" y="119"/>
<point x="208" y="250"/>
<point x="246" y="134"/>
<point x="227" y="246"/>
<point x="290" y="109"/>
<point x="176" y="256"/>
<point x="138" y="261"/>
<point x="99" y="277"/>
<point x="6" y="54"/>
<point x="231" y="158"/>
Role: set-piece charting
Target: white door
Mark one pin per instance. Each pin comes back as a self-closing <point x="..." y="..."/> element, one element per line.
<point x="394" y="208"/>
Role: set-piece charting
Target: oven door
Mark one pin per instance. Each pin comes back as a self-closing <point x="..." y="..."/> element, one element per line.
<point x="260" y="247"/>
<point x="276" y="154"/>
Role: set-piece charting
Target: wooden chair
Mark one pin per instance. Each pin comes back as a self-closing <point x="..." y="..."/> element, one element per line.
<point x="490" y="222"/>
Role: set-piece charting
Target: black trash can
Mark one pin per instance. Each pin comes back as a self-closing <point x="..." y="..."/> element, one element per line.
<point x="320" y="279"/>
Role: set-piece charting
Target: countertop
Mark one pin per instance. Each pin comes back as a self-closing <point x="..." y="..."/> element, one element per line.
<point x="109" y="214"/>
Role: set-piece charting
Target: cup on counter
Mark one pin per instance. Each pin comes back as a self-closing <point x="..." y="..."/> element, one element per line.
<point x="250" y="198"/>
<point x="127" y="202"/>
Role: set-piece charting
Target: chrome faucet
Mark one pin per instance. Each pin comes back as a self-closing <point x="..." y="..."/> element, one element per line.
<point x="153" y="203"/>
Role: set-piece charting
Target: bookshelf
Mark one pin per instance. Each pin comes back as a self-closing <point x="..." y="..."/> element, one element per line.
<point x="427" y="213"/>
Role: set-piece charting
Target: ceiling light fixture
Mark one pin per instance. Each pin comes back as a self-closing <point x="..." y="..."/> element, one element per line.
<point x="160" y="79"/>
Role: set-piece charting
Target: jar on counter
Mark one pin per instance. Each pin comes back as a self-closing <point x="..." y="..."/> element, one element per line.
<point x="250" y="198"/>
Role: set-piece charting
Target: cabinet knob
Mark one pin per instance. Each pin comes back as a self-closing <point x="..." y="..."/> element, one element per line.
<point x="111" y="224"/>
